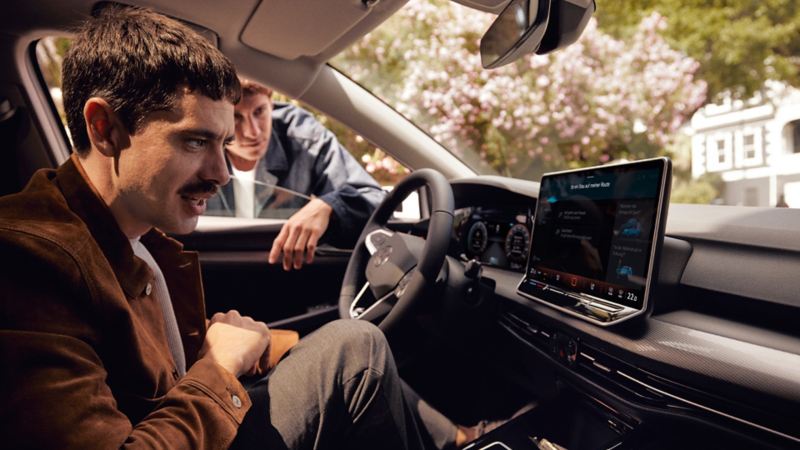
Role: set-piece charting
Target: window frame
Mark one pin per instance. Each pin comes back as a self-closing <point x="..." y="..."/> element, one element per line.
<point x="713" y="152"/>
<point x="742" y="159"/>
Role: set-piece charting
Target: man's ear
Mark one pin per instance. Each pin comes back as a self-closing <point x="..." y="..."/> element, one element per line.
<point x="103" y="127"/>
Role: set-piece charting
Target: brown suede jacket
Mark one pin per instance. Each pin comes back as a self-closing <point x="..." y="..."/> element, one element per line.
<point x="84" y="361"/>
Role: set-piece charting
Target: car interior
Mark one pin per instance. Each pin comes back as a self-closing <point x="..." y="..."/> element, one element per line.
<point x="695" y="345"/>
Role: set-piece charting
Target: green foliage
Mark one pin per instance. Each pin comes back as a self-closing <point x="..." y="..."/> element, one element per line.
<point x="739" y="43"/>
<point x="685" y="189"/>
<point x="703" y="190"/>
<point x="50" y="52"/>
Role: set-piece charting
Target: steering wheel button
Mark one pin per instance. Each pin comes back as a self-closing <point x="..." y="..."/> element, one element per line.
<point x="403" y="284"/>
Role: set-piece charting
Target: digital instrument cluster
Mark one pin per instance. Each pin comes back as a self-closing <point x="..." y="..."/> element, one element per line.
<point x="498" y="238"/>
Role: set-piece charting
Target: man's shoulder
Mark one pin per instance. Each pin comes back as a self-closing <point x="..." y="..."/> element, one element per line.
<point x="39" y="216"/>
<point x="49" y="259"/>
<point x="295" y="122"/>
<point x="286" y="112"/>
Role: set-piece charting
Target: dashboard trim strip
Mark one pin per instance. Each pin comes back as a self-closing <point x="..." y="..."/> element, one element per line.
<point x="624" y="314"/>
<point x="708" y="409"/>
<point x="656" y="390"/>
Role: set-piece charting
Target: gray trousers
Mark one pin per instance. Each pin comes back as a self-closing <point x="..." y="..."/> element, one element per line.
<point x="339" y="388"/>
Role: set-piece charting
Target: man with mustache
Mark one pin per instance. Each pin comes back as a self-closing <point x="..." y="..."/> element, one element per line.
<point x="104" y="340"/>
<point x="282" y="144"/>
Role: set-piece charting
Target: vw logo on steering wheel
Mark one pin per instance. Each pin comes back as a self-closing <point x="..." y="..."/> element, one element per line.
<point x="381" y="256"/>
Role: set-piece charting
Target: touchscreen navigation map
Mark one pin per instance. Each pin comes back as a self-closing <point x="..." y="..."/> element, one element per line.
<point x="594" y="232"/>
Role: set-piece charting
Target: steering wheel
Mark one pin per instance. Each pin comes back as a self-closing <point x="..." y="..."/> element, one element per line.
<point x="389" y="272"/>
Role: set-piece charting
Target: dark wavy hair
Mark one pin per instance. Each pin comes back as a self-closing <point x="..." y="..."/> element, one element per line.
<point x="139" y="62"/>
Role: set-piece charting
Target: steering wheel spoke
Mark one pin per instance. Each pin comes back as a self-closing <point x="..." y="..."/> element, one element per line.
<point x="363" y="310"/>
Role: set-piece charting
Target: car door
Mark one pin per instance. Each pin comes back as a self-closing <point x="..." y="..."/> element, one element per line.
<point x="236" y="274"/>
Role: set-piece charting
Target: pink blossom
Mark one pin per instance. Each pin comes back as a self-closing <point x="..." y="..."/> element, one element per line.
<point x="584" y="98"/>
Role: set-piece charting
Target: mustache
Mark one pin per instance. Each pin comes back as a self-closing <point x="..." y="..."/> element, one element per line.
<point x="250" y="142"/>
<point x="200" y="187"/>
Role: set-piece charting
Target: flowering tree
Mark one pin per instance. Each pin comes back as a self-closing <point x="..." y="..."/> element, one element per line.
<point x="597" y="100"/>
<point x="740" y="44"/>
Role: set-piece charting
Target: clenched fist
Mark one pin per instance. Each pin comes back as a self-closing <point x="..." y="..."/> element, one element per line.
<point x="237" y="343"/>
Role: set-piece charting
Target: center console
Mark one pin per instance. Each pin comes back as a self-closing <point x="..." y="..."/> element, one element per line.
<point x="568" y="422"/>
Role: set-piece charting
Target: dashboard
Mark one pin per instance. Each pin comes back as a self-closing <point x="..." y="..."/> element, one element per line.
<point x="719" y="352"/>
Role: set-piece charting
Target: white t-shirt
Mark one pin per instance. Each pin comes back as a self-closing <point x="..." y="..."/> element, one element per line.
<point x="244" y="191"/>
<point x="161" y="294"/>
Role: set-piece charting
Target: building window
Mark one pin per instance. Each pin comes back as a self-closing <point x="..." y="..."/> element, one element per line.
<point x="791" y="137"/>
<point x="719" y="152"/>
<point x="749" y="146"/>
<point x="795" y="136"/>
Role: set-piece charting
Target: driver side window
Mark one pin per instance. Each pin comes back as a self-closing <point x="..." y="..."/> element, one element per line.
<point x="284" y="178"/>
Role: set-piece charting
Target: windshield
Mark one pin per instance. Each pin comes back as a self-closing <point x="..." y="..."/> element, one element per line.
<point x="658" y="78"/>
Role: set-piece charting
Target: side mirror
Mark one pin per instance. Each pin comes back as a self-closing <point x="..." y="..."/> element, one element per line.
<point x="533" y="26"/>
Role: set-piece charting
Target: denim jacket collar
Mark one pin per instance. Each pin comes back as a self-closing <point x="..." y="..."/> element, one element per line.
<point x="276" y="159"/>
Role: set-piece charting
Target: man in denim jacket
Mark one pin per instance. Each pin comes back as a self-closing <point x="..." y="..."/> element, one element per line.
<point x="280" y="144"/>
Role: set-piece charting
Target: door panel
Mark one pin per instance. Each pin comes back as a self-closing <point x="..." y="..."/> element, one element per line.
<point x="236" y="274"/>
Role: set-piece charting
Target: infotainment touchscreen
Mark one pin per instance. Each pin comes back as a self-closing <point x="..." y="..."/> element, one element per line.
<point x="596" y="233"/>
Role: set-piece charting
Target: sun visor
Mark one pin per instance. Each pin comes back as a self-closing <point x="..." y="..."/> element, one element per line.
<point x="291" y="29"/>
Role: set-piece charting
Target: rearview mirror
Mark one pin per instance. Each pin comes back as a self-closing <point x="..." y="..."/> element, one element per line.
<point x="568" y="19"/>
<point x="533" y="26"/>
<point x="517" y="31"/>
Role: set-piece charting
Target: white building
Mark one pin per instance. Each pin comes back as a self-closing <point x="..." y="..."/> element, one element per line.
<point x="754" y="145"/>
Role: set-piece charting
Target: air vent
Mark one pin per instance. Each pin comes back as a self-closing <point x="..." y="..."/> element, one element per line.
<point x="605" y="369"/>
<point x="633" y="383"/>
<point x="641" y="386"/>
